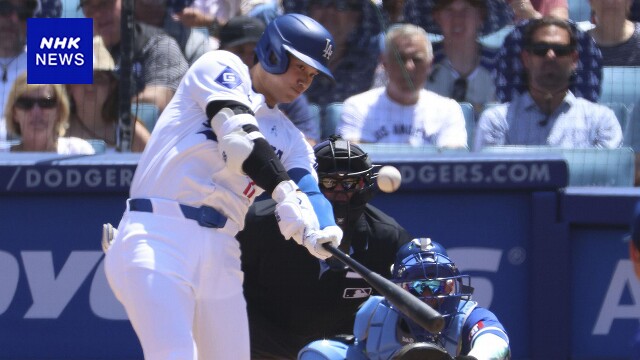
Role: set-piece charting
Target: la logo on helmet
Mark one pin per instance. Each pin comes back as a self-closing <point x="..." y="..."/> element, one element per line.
<point x="328" y="50"/>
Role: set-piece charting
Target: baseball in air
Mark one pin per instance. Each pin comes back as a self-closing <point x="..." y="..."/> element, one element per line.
<point x="389" y="179"/>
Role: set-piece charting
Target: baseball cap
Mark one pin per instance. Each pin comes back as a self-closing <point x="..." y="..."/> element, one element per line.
<point x="634" y="233"/>
<point x="240" y="30"/>
<point x="102" y="59"/>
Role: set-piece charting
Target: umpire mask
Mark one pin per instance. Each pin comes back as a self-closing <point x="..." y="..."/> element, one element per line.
<point x="346" y="178"/>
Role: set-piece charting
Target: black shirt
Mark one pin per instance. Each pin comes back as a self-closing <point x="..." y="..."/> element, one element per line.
<point x="294" y="298"/>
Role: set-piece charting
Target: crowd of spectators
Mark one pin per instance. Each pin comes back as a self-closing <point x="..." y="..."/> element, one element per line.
<point x="171" y="34"/>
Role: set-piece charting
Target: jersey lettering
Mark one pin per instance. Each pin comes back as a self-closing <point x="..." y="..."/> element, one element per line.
<point x="250" y="190"/>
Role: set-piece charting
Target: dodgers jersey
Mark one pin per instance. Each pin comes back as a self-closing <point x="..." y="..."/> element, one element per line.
<point x="183" y="141"/>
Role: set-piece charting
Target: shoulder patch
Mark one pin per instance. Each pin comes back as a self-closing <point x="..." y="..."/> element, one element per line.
<point x="229" y="78"/>
<point x="477" y="327"/>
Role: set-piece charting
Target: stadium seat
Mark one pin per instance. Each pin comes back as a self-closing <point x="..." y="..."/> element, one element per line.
<point x="314" y="111"/>
<point x="620" y="84"/>
<point x="99" y="146"/>
<point x="622" y="113"/>
<point x="148" y="113"/>
<point x="632" y="131"/>
<point x="70" y="9"/>
<point x="587" y="167"/>
<point x="331" y="118"/>
<point x="579" y="10"/>
<point x="469" y="121"/>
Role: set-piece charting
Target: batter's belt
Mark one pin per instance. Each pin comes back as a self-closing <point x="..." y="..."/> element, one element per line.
<point x="206" y="216"/>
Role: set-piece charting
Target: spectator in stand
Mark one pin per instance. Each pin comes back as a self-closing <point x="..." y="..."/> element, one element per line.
<point x="158" y="63"/>
<point x="403" y="111"/>
<point x="193" y="43"/>
<point x="94" y="107"/>
<point x="617" y="37"/>
<point x="548" y="113"/>
<point x="357" y="32"/>
<point x="462" y="67"/>
<point x="635" y="11"/>
<point x="213" y="14"/>
<point x="392" y="11"/>
<point x="49" y="9"/>
<point x="38" y="114"/>
<point x="240" y="36"/>
<point x="534" y="9"/>
<point x="13" y="50"/>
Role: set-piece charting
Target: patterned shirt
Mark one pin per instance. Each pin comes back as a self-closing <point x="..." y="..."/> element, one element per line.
<point x="576" y="123"/>
<point x="624" y="54"/>
<point x="157" y="58"/>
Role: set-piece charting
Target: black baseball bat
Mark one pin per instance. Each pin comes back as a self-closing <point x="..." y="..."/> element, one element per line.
<point x="401" y="299"/>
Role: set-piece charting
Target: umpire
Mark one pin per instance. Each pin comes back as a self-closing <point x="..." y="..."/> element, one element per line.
<point x="293" y="298"/>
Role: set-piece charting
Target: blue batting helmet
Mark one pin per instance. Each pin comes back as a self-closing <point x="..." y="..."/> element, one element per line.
<point x="298" y="35"/>
<point x="423" y="268"/>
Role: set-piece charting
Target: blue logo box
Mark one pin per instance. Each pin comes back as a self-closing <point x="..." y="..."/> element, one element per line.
<point x="60" y="51"/>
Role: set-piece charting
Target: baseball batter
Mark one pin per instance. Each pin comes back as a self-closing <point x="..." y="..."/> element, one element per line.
<point x="221" y="141"/>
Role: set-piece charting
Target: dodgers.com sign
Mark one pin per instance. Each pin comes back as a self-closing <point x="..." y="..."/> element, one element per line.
<point x="60" y="51"/>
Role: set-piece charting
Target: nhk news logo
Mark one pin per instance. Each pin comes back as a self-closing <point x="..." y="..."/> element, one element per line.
<point x="60" y="51"/>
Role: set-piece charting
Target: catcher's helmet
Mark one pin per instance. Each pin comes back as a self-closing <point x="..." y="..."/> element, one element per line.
<point x="423" y="268"/>
<point x="299" y="35"/>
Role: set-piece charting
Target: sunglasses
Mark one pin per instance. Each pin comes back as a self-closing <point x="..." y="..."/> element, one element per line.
<point x="27" y="103"/>
<point x="542" y="49"/>
<point x="8" y="9"/>
<point x="340" y="5"/>
<point x="346" y="183"/>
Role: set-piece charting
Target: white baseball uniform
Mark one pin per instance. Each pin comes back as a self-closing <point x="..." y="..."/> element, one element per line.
<point x="175" y="277"/>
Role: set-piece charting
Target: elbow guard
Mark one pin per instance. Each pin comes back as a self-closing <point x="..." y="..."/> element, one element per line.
<point x="245" y="151"/>
<point x="236" y="135"/>
<point x="264" y="167"/>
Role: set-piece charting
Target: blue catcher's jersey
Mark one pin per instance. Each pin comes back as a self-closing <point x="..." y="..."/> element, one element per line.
<point x="378" y="335"/>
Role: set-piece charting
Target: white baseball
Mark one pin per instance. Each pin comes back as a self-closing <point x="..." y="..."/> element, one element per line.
<point x="389" y="179"/>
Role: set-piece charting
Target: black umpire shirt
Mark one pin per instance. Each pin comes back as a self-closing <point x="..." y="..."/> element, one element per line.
<point x="292" y="297"/>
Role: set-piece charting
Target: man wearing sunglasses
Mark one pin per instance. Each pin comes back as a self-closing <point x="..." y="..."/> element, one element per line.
<point x="548" y="113"/>
<point x="293" y="298"/>
<point x="423" y="268"/>
<point x="13" y="51"/>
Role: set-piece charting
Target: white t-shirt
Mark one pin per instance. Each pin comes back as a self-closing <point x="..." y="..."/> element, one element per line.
<point x="373" y="117"/>
<point x="74" y="146"/>
<point x="66" y="146"/>
<point x="181" y="160"/>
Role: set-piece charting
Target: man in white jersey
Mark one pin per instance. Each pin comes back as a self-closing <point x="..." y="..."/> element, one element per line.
<point x="221" y="141"/>
<point x="404" y="112"/>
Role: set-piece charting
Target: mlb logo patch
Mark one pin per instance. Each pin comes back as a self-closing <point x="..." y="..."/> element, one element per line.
<point x="60" y="51"/>
<point x="356" y="293"/>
